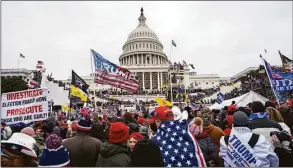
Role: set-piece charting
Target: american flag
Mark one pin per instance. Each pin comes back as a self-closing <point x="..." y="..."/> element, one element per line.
<point x="271" y="73"/>
<point x="32" y="83"/>
<point x="40" y="65"/>
<point x="178" y="146"/>
<point x="194" y="107"/>
<point x="109" y="73"/>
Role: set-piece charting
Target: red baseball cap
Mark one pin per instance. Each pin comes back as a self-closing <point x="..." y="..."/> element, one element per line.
<point x="164" y="113"/>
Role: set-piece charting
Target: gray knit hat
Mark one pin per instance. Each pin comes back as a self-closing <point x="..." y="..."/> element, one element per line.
<point x="240" y="118"/>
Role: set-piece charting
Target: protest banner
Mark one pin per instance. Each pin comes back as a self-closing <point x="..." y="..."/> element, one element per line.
<point x="24" y="106"/>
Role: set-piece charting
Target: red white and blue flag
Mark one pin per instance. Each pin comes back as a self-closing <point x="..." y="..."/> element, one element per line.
<point x="178" y="146"/>
<point x="108" y="73"/>
<point x="281" y="82"/>
<point x="272" y="72"/>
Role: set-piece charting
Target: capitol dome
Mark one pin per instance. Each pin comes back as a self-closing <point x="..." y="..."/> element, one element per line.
<point x="142" y="47"/>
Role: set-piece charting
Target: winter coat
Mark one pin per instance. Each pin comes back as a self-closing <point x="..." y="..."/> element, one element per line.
<point x="215" y="133"/>
<point x="285" y="157"/>
<point x="262" y="151"/>
<point x="264" y="127"/>
<point x="113" y="155"/>
<point x="40" y="144"/>
<point x="83" y="150"/>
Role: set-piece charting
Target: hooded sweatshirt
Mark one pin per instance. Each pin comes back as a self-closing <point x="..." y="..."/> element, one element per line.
<point x="113" y="155"/>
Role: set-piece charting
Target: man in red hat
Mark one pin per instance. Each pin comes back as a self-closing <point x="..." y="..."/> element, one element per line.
<point x="163" y="113"/>
<point x="114" y="152"/>
<point x="227" y="122"/>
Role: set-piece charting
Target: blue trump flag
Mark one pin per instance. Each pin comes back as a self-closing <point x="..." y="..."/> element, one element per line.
<point x="281" y="82"/>
<point x="220" y="98"/>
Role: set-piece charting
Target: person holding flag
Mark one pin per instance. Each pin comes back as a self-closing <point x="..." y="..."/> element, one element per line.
<point x="176" y="141"/>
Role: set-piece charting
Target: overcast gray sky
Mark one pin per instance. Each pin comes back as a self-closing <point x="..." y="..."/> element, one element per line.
<point x="217" y="37"/>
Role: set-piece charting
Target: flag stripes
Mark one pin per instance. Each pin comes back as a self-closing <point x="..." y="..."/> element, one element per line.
<point x="274" y="75"/>
<point x="109" y="73"/>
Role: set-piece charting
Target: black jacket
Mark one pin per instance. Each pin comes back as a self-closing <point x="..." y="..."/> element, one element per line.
<point x="112" y="155"/>
<point x="264" y="127"/>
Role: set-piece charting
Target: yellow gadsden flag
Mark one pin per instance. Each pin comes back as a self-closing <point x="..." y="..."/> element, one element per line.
<point x="64" y="108"/>
<point x="78" y="93"/>
<point x="163" y="102"/>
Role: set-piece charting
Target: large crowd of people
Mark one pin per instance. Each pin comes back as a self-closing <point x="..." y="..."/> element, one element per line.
<point x="258" y="135"/>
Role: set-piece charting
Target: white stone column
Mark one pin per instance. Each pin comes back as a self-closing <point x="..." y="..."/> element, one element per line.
<point x="137" y="59"/>
<point x="158" y="75"/>
<point x="143" y="81"/>
<point x="161" y="79"/>
<point x="151" y="81"/>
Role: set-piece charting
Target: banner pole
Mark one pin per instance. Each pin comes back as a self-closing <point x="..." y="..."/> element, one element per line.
<point x="171" y="89"/>
<point x="270" y="80"/>
<point x="18" y="62"/>
<point x="93" y="78"/>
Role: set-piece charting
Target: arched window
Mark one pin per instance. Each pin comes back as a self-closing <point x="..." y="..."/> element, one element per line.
<point x="147" y="46"/>
<point x="129" y="47"/>
<point x="135" y="46"/>
<point x="143" y="45"/>
<point x="139" y="45"/>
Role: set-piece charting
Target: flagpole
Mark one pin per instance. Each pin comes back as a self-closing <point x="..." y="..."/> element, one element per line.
<point x="171" y="74"/>
<point x="270" y="81"/>
<point x="18" y="62"/>
<point x="93" y="77"/>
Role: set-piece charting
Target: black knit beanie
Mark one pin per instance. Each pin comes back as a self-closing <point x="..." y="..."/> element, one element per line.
<point x="146" y="154"/>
